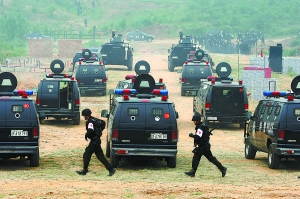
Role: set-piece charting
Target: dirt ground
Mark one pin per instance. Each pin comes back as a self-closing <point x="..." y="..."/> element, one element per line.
<point x="53" y="134"/>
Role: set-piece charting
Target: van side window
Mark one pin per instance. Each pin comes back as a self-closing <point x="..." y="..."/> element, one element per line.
<point x="297" y="111"/>
<point x="277" y="110"/>
<point x="270" y="109"/>
<point x="17" y="108"/>
<point x="263" y="108"/>
<point x="133" y="111"/>
<point x="157" y="112"/>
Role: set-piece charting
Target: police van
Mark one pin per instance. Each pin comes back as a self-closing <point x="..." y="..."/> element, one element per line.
<point x="91" y="75"/>
<point x="58" y="95"/>
<point x="274" y="127"/>
<point x="193" y="73"/>
<point x="19" y="124"/>
<point x="220" y="100"/>
<point x="116" y="52"/>
<point x="142" y="123"/>
<point x="177" y="53"/>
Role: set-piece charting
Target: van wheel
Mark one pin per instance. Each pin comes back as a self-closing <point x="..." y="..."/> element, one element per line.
<point x="273" y="159"/>
<point x="113" y="160"/>
<point x="35" y="159"/>
<point x="182" y="92"/>
<point x="41" y="120"/>
<point x="171" y="162"/>
<point x="104" y="93"/>
<point x="170" y="66"/>
<point x="250" y="151"/>
<point x="129" y="65"/>
<point x="76" y="120"/>
<point x="107" y="151"/>
<point x="242" y="125"/>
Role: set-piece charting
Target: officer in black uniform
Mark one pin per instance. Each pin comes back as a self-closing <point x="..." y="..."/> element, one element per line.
<point x="201" y="142"/>
<point x="95" y="143"/>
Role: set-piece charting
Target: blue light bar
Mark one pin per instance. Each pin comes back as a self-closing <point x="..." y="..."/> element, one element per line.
<point x="122" y="91"/>
<point x="164" y="92"/>
<point x="275" y="93"/>
<point x="28" y="92"/>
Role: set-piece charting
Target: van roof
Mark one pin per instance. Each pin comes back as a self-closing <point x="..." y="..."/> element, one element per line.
<point x="132" y="99"/>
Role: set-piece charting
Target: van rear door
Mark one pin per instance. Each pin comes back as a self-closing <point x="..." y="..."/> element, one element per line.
<point x="292" y="133"/>
<point x="49" y="94"/>
<point x="2" y="121"/>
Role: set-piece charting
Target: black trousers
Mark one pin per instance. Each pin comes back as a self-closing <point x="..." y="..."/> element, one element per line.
<point x="94" y="147"/>
<point x="199" y="152"/>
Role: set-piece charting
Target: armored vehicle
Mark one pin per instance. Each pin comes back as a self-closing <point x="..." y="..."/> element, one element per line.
<point x="222" y="100"/>
<point x="116" y="52"/>
<point x="19" y="123"/>
<point x="193" y="73"/>
<point x="178" y="53"/>
<point x="91" y="76"/>
<point x="274" y="126"/>
<point x="141" y="124"/>
<point x="58" y="95"/>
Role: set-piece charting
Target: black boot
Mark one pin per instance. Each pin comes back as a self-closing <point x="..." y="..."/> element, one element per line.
<point x="82" y="172"/>
<point x="112" y="171"/>
<point x="191" y="173"/>
<point x="224" y="170"/>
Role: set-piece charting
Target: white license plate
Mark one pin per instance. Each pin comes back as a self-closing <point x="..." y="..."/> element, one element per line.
<point x="18" y="133"/>
<point x="98" y="80"/>
<point x="158" y="136"/>
<point x="212" y="118"/>
<point x="203" y="80"/>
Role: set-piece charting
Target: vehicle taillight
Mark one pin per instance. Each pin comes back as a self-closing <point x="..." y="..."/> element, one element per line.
<point x="280" y="135"/>
<point x="76" y="80"/>
<point x="246" y="107"/>
<point x="182" y="80"/>
<point x="36" y="132"/>
<point x="115" y="135"/>
<point x="207" y="106"/>
<point x="174" y="136"/>
<point x="38" y="101"/>
<point x="105" y="80"/>
<point x="77" y="102"/>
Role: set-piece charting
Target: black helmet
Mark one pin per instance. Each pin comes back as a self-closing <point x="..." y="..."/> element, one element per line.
<point x="86" y="112"/>
<point x="196" y="117"/>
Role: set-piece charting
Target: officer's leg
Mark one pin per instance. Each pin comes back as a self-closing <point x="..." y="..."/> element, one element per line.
<point x="196" y="161"/>
<point x="214" y="160"/>
<point x="100" y="155"/>
<point x="89" y="150"/>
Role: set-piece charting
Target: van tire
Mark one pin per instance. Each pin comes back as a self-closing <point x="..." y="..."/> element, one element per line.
<point x="76" y="120"/>
<point x="113" y="160"/>
<point x="35" y="159"/>
<point x="170" y="66"/>
<point x="182" y="92"/>
<point x="107" y="151"/>
<point x="129" y="65"/>
<point x="250" y="151"/>
<point x="171" y="162"/>
<point x="273" y="159"/>
<point x="242" y="125"/>
<point x="104" y="93"/>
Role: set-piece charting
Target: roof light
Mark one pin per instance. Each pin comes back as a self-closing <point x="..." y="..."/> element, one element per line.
<point x="100" y="63"/>
<point x="21" y="92"/>
<point x="209" y="78"/>
<point x="240" y="82"/>
<point x="160" y="80"/>
<point x="49" y="75"/>
<point x="275" y="93"/>
<point x="124" y="91"/>
<point x="207" y="62"/>
<point x="213" y="81"/>
<point x="129" y="77"/>
<point x="290" y="97"/>
<point x="186" y="62"/>
<point x="125" y="97"/>
<point x="160" y="92"/>
<point x="164" y="98"/>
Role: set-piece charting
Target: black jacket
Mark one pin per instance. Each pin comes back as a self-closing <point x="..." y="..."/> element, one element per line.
<point x="92" y="128"/>
<point x="202" y="140"/>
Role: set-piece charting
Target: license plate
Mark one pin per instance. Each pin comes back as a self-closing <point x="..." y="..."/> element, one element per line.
<point x="98" y="80"/>
<point x="158" y="136"/>
<point x="18" y="133"/>
<point x="212" y="118"/>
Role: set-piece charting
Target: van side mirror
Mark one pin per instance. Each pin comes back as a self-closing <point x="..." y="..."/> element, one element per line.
<point x="110" y="91"/>
<point x="179" y="71"/>
<point x="248" y="115"/>
<point x="168" y="50"/>
<point x="176" y="114"/>
<point x="104" y="113"/>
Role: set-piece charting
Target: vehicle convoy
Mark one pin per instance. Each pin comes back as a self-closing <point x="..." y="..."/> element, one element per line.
<point x="139" y="36"/>
<point x="142" y="123"/>
<point x="178" y="53"/>
<point x="142" y="68"/>
<point x="91" y="76"/>
<point x="193" y="73"/>
<point x="19" y="123"/>
<point x="58" y="95"/>
<point x="274" y="126"/>
<point x="222" y="100"/>
<point x="116" y="52"/>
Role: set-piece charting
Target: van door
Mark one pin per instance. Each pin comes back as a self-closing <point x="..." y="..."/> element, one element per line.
<point x="2" y="121"/>
<point x="118" y="53"/>
<point x="131" y="123"/>
<point x="65" y="94"/>
<point x="158" y="124"/>
<point x="19" y="121"/>
<point x="49" y="95"/>
<point x="292" y="133"/>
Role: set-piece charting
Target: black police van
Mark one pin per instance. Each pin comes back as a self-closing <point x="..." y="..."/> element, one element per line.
<point x="58" y="95"/>
<point x="141" y="124"/>
<point x="274" y="128"/>
<point x="19" y="124"/>
<point x="178" y="53"/>
<point x="91" y="75"/>
<point x="139" y="36"/>
<point x="116" y="52"/>
<point x="193" y="73"/>
<point x="142" y="68"/>
<point x="222" y="100"/>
